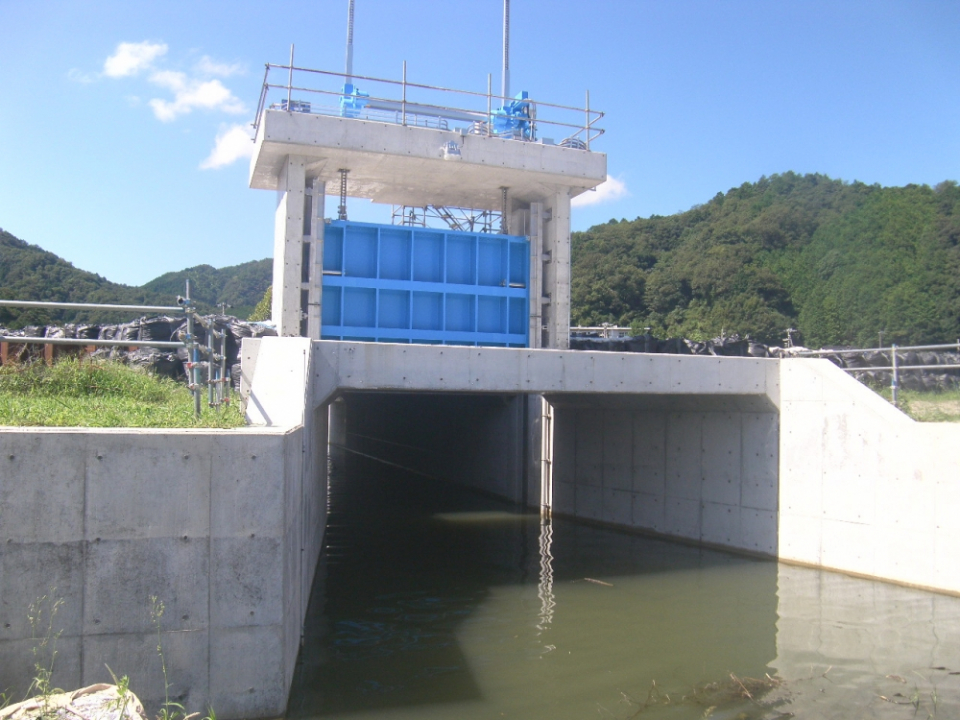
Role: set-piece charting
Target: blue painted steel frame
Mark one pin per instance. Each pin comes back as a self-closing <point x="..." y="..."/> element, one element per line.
<point x="390" y="283"/>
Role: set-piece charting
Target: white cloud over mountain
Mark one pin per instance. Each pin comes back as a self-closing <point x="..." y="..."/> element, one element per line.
<point x="608" y="191"/>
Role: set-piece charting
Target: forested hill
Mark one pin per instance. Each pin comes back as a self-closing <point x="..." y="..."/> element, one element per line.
<point x="839" y="261"/>
<point x="28" y="272"/>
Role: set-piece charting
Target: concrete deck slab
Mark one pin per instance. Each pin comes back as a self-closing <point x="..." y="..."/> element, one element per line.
<point x="402" y="165"/>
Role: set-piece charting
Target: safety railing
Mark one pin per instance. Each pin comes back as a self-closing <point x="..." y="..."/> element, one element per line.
<point x="200" y="356"/>
<point x="408" y="103"/>
<point x="893" y="352"/>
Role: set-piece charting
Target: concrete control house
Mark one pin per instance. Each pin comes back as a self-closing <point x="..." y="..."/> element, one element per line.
<point x="497" y="274"/>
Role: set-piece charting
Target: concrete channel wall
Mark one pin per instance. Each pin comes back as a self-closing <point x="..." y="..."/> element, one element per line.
<point x="863" y="488"/>
<point x="218" y="525"/>
<point x="709" y="476"/>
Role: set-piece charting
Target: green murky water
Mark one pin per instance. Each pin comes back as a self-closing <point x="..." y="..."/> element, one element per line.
<point x="434" y="602"/>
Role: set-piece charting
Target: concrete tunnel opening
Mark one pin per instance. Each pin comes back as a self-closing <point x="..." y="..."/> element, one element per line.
<point x="477" y="440"/>
<point x="694" y="468"/>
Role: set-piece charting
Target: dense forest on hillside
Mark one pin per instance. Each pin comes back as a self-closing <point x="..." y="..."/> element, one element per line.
<point x="839" y="261"/>
<point x="28" y="272"/>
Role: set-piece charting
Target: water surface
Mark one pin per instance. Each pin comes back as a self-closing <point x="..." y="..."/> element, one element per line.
<point x="432" y="601"/>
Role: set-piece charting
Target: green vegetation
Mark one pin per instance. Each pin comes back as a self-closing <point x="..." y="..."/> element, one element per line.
<point x="87" y="393"/>
<point x="839" y="261"/>
<point x="927" y="406"/>
<point x="28" y="272"/>
<point x="263" y="309"/>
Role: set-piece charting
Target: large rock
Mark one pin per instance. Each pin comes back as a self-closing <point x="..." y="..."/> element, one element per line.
<point x="96" y="702"/>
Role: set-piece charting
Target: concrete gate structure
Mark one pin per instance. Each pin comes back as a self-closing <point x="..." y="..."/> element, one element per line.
<point x="784" y="458"/>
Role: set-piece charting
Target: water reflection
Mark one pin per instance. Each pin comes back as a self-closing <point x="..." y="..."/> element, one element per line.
<point x="433" y="602"/>
<point x="545" y="589"/>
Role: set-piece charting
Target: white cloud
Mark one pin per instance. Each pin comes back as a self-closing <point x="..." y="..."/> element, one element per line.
<point x="608" y="191"/>
<point x="208" y="66"/>
<point x="131" y="58"/>
<point x="233" y="143"/>
<point x="81" y="77"/>
<point x="190" y="93"/>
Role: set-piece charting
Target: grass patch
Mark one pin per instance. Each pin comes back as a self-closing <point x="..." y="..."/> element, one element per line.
<point x="927" y="406"/>
<point x="87" y="393"/>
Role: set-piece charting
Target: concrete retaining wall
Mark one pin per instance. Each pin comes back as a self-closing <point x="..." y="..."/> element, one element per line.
<point x="210" y="522"/>
<point x="704" y="476"/>
<point x="863" y="488"/>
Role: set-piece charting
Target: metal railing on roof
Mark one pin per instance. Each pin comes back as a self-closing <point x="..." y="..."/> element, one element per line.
<point x="474" y="112"/>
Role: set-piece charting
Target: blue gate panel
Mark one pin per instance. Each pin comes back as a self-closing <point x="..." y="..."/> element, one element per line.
<point x="359" y="307"/>
<point x="427" y="311"/>
<point x="332" y="306"/>
<point x="428" y="256"/>
<point x="333" y="249"/>
<point x="394" y="309"/>
<point x="388" y="283"/>
<point x="395" y="254"/>
<point x="360" y="252"/>
<point x="459" y="313"/>
<point x="491" y="314"/>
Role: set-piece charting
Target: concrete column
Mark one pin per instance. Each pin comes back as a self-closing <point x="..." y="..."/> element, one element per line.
<point x="535" y="283"/>
<point x="315" y="282"/>
<point x="556" y="276"/>
<point x="288" y="247"/>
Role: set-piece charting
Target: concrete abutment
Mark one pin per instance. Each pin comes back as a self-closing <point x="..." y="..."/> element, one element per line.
<point x="787" y="458"/>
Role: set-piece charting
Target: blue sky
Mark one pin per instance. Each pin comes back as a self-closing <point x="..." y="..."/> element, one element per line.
<point x="111" y="111"/>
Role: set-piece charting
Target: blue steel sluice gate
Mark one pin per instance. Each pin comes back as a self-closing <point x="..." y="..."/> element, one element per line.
<point x="398" y="284"/>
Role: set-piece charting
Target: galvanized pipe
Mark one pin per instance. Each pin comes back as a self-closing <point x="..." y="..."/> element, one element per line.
<point x="24" y="340"/>
<point x="943" y="346"/>
<point x="290" y="80"/>
<point x="348" y="69"/>
<point x="894" y="385"/>
<point x="871" y="368"/>
<point x="505" y="80"/>
<point x="87" y="306"/>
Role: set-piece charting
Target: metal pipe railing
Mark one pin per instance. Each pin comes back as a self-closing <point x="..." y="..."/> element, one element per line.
<point x="404" y="105"/>
<point x="901" y="348"/>
<point x="89" y="306"/>
<point x="895" y="367"/>
<point x="217" y="381"/>
<point x="27" y="340"/>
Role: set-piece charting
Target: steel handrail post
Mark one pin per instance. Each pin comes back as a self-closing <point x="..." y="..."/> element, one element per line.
<point x="290" y="79"/>
<point x="894" y="384"/>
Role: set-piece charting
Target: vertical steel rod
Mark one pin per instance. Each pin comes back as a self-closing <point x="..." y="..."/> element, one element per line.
<point x="211" y="365"/>
<point x="504" y="225"/>
<point x="489" y="104"/>
<point x="290" y="80"/>
<point x="223" y="375"/>
<point x="342" y="210"/>
<point x="894" y="383"/>
<point x="403" y="104"/>
<point x="586" y="128"/>
<point x="194" y="354"/>
<point x="505" y="80"/>
<point x="349" y="61"/>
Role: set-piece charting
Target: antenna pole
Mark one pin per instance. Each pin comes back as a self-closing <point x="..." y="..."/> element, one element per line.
<point x="505" y="83"/>
<point x="349" y="69"/>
